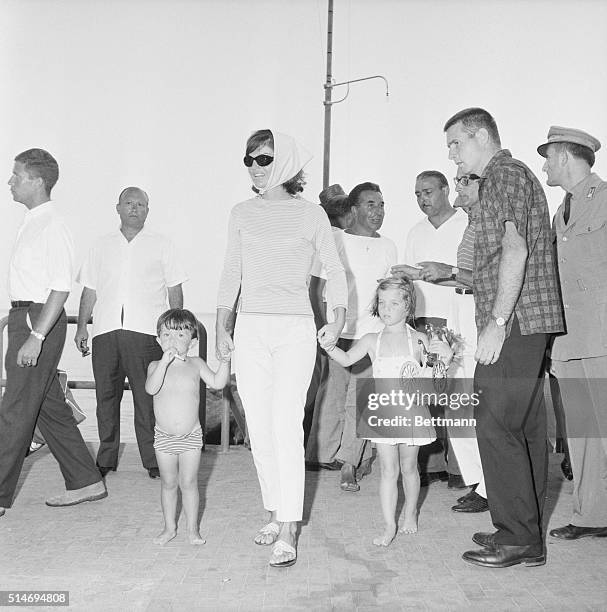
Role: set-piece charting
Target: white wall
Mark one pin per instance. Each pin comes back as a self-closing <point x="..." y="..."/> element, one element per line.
<point x="162" y="94"/>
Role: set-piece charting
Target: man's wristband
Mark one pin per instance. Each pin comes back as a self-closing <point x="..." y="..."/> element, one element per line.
<point x="37" y="335"/>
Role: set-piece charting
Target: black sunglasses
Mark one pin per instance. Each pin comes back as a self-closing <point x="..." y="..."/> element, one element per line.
<point x="262" y="160"/>
<point x="464" y="181"/>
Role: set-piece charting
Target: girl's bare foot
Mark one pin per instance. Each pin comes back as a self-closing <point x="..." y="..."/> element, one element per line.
<point x="387" y="537"/>
<point x="410" y="523"/>
<point x="165" y="536"/>
<point x="195" y="539"/>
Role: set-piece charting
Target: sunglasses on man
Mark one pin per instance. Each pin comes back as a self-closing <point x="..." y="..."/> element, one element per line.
<point x="465" y="180"/>
<point x="261" y="160"/>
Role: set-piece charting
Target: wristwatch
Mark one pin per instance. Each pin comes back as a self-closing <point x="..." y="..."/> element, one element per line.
<point x="454" y="273"/>
<point x="499" y="321"/>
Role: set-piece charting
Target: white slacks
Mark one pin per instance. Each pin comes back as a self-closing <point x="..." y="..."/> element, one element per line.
<point x="466" y="448"/>
<point x="274" y="359"/>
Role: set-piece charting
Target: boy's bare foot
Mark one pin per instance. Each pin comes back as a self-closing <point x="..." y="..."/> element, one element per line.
<point x="195" y="539"/>
<point x="165" y="536"/>
<point x="410" y="523"/>
<point x="387" y="537"/>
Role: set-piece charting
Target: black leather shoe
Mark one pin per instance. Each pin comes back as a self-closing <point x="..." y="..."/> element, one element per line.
<point x="154" y="472"/>
<point x="468" y="495"/>
<point x="104" y="471"/>
<point x="333" y="466"/>
<point x="456" y="482"/>
<point x="501" y="555"/>
<point x="475" y="503"/>
<point x="566" y="468"/>
<point x="573" y="532"/>
<point x="482" y="538"/>
<point x="428" y="478"/>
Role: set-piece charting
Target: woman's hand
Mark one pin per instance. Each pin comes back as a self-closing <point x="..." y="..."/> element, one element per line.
<point x="224" y="345"/>
<point x="328" y="335"/>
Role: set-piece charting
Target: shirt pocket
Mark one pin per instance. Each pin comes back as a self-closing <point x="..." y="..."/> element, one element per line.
<point x="591" y="236"/>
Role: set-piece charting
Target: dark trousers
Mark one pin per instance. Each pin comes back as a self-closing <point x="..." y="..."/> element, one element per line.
<point x="512" y="437"/>
<point x="117" y="355"/>
<point x="34" y="393"/>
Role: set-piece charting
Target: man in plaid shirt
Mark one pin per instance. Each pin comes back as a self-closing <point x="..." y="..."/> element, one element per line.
<point x="517" y="306"/>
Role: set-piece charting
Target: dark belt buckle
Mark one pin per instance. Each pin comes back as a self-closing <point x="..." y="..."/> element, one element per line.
<point x="463" y="291"/>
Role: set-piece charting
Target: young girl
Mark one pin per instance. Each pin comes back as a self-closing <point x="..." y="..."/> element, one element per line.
<point x="395" y="354"/>
<point x="174" y="381"/>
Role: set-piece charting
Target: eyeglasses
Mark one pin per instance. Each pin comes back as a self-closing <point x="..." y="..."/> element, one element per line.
<point x="464" y="181"/>
<point x="262" y="160"/>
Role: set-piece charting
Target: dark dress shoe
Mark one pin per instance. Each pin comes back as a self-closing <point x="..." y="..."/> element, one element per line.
<point x="104" y="470"/>
<point x="502" y="555"/>
<point x="474" y="503"/>
<point x="573" y="532"/>
<point x="312" y="466"/>
<point x="468" y="495"/>
<point x="428" y="478"/>
<point x="455" y="481"/>
<point x="482" y="538"/>
<point x="348" y="479"/>
<point x="566" y="468"/>
<point x="154" y="472"/>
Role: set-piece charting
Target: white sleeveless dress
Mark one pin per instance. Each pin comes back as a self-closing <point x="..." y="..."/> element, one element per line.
<point x="397" y="367"/>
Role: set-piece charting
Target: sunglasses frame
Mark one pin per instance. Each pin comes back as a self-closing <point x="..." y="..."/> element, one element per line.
<point x="261" y="160"/>
<point x="465" y="180"/>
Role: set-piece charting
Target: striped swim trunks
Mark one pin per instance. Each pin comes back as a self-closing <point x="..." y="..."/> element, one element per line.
<point x="174" y="444"/>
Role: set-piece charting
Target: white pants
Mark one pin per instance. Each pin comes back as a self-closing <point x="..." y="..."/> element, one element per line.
<point x="274" y="359"/>
<point x="466" y="448"/>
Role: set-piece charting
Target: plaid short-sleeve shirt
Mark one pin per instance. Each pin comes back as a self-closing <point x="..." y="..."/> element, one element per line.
<point x="509" y="191"/>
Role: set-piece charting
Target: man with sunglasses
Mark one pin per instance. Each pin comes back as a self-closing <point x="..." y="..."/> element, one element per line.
<point x="517" y="306"/>
<point x="579" y="357"/>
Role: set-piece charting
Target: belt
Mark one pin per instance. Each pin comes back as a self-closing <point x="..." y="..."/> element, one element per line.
<point x="463" y="291"/>
<point x="21" y="304"/>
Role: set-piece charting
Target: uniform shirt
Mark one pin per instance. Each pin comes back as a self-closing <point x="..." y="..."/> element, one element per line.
<point x="582" y="263"/>
<point x="271" y="244"/>
<point x="131" y="280"/>
<point x="366" y="260"/>
<point x="428" y="243"/>
<point x="43" y="256"/>
<point x="509" y="191"/>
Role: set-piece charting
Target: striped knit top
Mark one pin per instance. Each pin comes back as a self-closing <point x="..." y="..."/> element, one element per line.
<point x="271" y="244"/>
<point x="465" y="250"/>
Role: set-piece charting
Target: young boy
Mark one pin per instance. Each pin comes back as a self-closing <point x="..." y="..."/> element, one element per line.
<point x="174" y="383"/>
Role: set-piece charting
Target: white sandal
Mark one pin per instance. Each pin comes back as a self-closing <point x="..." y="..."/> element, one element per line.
<point x="271" y="529"/>
<point x="280" y="548"/>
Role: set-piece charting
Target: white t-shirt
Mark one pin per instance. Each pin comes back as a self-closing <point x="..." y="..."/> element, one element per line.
<point x="428" y="243"/>
<point x="133" y="276"/>
<point x="366" y="260"/>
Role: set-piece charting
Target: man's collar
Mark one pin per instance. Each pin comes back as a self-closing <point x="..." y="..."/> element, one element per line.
<point x="497" y="157"/>
<point x="47" y="206"/>
<point x="583" y="187"/>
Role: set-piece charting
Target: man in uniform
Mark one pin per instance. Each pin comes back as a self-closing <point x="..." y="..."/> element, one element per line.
<point x="40" y="279"/>
<point x="579" y="357"/>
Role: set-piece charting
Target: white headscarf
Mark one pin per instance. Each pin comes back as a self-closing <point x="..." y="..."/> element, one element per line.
<point x="289" y="159"/>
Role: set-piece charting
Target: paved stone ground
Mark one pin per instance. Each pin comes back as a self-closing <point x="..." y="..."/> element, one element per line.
<point x="102" y="552"/>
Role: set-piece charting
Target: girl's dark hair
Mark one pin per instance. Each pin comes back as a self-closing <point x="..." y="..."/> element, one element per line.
<point x="178" y="318"/>
<point x="407" y="289"/>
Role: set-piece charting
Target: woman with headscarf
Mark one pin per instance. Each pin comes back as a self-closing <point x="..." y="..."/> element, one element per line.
<point x="272" y="239"/>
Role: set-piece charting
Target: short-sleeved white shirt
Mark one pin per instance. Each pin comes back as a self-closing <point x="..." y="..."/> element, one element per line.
<point x="130" y="278"/>
<point x="42" y="259"/>
<point x="428" y="243"/>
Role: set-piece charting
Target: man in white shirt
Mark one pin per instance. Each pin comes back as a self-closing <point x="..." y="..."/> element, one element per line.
<point x="39" y="281"/>
<point x="435" y="239"/>
<point x="367" y="257"/>
<point x="126" y="280"/>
